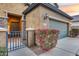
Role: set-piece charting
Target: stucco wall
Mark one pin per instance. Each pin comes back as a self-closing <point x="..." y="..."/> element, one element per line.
<point x="35" y="18"/>
<point x="3" y="39"/>
<point x="15" y="8"/>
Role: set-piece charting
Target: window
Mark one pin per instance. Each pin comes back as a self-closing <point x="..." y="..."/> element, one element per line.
<point x="3" y="23"/>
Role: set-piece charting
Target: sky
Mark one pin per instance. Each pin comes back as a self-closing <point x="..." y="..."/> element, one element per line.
<point x="70" y="8"/>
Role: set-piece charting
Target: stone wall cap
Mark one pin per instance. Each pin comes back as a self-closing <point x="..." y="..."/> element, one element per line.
<point x="30" y="28"/>
<point x="3" y="29"/>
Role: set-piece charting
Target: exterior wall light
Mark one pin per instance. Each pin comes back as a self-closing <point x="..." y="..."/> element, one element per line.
<point x="45" y="16"/>
<point x="45" y="23"/>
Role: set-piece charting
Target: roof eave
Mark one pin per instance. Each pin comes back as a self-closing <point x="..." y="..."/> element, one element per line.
<point x="37" y="4"/>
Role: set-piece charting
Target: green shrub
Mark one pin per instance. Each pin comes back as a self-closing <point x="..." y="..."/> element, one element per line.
<point x="74" y="32"/>
<point x="3" y="51"/>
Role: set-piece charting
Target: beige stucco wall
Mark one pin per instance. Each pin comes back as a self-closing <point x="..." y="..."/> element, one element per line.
<point x="35" y="18"/>
<point x="15" y="8"/>
<point x="3" y="39"/>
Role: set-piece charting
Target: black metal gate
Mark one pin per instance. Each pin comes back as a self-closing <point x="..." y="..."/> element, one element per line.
<point x="15" y="41"/>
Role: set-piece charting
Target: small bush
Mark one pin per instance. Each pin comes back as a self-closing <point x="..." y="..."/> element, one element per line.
<point x="3" y="51"/>
<point x="74" y="32"/>
<point x="46" y="39"/>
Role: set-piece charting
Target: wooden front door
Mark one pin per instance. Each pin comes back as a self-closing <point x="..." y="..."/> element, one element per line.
<point x="15" y="26"/>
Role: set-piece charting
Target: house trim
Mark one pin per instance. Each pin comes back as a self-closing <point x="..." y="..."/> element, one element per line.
<point x="58" y="19"/>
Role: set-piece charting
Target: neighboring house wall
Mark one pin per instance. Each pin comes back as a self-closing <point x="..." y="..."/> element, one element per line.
<point x="75" y="25"/>
<point x="75" y="22"/>
<point x="11" y="8"/>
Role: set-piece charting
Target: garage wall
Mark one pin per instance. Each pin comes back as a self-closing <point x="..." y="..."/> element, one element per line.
<point x="35" y="18"/>
<point x="62" y="27"/>
<point x="44" y="10"/>
<point x="62" y="23"/>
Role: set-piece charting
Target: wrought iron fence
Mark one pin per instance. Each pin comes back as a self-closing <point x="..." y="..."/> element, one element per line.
<point x="15" y="41"/>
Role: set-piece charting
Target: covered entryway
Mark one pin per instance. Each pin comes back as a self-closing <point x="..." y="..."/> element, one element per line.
<point x="61" y="26"/>
<point x="14" y="23"/>
<point x="14" y="32"/>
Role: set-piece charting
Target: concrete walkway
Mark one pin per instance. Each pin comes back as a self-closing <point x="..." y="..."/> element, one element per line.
<point x="22" y="52"/>
<point x="65" y="47"/>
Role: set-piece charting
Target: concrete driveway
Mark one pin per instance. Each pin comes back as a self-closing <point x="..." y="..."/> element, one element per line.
<point x="65" y="47"/>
